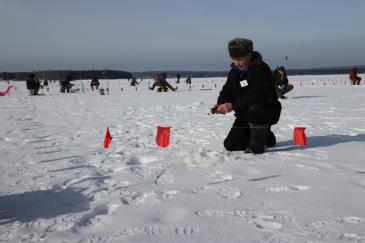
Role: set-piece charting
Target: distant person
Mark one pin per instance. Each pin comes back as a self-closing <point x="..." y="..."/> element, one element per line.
<point x="355" y="79"/>
<point x="37" y="86"/>
<point x="134" y="82"/>
<point x="250" y="93"/>
<point x="178" y="76"/>
<point x="160" y="81"/>
<point x="281" y="82"/>
<point x="94" y="84"/>
<point x="188" y="80"/>
<point x="45" y="84"/>
<point x="66" y="84"/>
<point x="30" y="83"/>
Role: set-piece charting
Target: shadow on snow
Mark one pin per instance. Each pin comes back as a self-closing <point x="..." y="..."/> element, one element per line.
<point x="319" y="142"/>
<point x="43" y="204"/>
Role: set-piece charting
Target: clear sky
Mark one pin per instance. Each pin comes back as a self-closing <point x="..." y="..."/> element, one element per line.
<point x="141" y="35"/>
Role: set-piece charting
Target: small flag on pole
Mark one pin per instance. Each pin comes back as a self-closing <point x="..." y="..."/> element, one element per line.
<point x="107" y="139"/>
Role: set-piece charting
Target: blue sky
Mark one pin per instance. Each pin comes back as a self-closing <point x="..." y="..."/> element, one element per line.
<point x="143" y="35"/>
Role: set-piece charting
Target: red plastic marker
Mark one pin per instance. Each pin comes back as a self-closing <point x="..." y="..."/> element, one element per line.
<point x="6" y="91"/>
<point x="163" y="136"/>
<point x="107" y="139"/>
<point x="299" y="137"/>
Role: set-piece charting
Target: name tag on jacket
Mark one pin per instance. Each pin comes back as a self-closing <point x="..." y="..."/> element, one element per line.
<point x="243" y="83"/>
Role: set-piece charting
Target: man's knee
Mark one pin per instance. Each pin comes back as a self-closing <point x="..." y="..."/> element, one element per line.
<point x="228" y="145"/>
<point x="237" y="141"/>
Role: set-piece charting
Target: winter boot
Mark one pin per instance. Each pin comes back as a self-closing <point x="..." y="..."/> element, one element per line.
<point x="270" y="139"/>
<point x="257" y="138"/>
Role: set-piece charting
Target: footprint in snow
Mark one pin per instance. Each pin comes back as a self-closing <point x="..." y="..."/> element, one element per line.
<point x="157" y="230"/>
<point x="135" y="198"/>
<point x="164" y="179"/>
<point x="9" y="231"/>
<point x="149" y="230"/>
<point x="352" y="237"/>
<point x="264" y="221"/>
<point x="63" y="223"/>
<point x="35" y="237"/>
<point x="286" y="188"/>
<point x="96" y="215"/>
<point x="97" y="239"/>
<point x="229" y="192"/>
<point x="323" y="229"/>
<point x="220" y="213"/>
<point x="186" y="231"/>
<point x="351" y="220"/>
<point x="218" y="177"/>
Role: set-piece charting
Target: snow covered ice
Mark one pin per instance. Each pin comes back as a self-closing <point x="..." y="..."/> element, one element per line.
<point x="58" y="183"/>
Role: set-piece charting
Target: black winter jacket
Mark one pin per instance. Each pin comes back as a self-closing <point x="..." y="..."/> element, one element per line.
<point x="257" y="86"/>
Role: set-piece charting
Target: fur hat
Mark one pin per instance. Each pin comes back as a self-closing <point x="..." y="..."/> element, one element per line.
<point x="240" y="47"/>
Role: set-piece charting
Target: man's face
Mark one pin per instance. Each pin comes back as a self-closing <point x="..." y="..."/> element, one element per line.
<point x="241" y="62"/>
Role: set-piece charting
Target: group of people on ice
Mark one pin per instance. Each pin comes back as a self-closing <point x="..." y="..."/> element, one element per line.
<point x="280" y="79"/>
<point x="34" y="85"/>
<point x="66" y="85"/>
<point x="160" y="82"/>
<point x="178" y="77"/>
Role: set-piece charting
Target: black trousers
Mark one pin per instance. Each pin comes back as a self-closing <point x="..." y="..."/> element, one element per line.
<point x="259" y="114"/>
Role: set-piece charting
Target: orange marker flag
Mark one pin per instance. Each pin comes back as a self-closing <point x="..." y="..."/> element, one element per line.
<point x="107" y="139"/>
<point x="163" y="136"/>
<point x="299" y="137"/>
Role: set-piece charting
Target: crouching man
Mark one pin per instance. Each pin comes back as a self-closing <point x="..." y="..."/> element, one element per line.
<point x="250" y="93"/>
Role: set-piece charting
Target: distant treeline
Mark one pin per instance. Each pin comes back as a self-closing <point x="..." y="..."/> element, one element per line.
<point x="210" y="74"/>
<point x="115" y="74"/>
<point x="62" y="74"/>
<point x="184" y="74"/>
<point x="326" y="71"/>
